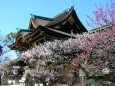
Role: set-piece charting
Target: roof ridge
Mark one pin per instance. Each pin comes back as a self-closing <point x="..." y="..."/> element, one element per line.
<point x="67" y="10"/>
<point x="41" y="17"/>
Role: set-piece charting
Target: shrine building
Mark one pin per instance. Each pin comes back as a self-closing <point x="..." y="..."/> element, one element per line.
<point x="42" y="29"/>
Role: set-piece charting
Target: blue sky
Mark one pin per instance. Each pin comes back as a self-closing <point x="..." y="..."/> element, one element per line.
<point x="16" y="13"/>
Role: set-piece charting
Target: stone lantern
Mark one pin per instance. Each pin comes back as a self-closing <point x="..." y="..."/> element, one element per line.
<point x="106" y="70"/>
<point x="15" y="70"/>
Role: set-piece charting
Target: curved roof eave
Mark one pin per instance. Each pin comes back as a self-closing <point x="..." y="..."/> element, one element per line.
<point x="61" y="18"/>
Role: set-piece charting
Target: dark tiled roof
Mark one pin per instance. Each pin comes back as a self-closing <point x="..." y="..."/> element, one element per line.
<point x="24" y="32"/>
<point x="59" y="18"/>
<point x="37" y="21"/>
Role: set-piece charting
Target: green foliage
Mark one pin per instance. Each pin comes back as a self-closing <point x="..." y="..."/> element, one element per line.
<point x="91" y="82"/>
<point x="10" y="38"/>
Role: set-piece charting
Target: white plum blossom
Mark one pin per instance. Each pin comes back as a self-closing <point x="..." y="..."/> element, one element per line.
<point x="88" y="48"/>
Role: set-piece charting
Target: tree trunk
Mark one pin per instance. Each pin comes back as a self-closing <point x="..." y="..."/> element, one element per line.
<point x="0" y="80"/>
